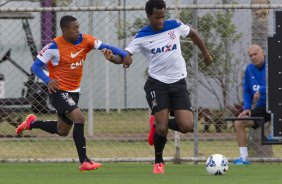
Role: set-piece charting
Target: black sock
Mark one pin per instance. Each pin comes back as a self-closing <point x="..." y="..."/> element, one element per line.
<point x="48" y="126"/>
<point x="172" y="125"/>
<point x="79" y="140"/>
<point x="159" y="144"/>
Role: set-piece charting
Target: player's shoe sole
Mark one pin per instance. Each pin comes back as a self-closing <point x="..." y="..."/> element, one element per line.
<point x="152" y="130"/>
<point x="158" y="168"/>
<point x="87" y="166"/>
<point x="26" y="124"/>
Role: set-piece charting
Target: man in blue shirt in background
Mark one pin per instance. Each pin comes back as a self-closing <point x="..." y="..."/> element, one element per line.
<point x="254" y="92"/>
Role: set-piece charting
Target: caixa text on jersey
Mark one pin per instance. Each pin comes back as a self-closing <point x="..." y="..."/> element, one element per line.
<point x="77" y="64"/>
<point x="165" y="48"/>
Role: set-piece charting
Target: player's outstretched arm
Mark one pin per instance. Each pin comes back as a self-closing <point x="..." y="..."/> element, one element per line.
<point x="108" y="54"/>
<point x="115" y="50"/>
<point x="198" y="41"/>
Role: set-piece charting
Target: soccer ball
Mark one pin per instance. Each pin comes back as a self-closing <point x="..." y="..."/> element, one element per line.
<point x="217" y="164"/>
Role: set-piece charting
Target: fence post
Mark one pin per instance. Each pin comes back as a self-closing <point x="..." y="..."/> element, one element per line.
<point x="177" y="158"/>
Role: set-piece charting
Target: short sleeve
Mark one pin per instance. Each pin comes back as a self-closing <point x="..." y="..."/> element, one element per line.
<point x="134" y="46"/>
<point x="46" y="54"/>
<point x="184" y="29"/>
<point x="97" y="43"/>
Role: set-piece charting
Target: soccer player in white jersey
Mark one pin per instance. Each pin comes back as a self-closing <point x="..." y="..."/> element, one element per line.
<point x="165" y="88"/>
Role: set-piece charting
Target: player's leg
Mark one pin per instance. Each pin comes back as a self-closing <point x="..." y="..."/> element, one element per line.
<point x="64" y="124"/>
<point x="158" y="100"/>
<point x="181" y="107"/>
<point x="61" y="127"/>
<point x="78" y="134"/>
<point x="161" y="119"/>
<point x="152" y="129"/>
<point x="154" y="91"/>
<point x="80" y="142"/>
<point x="171" y="125"/>
<point x="70" y="113"/>
<point x="49" y="126"/>
<point x="183" y="121"/>
<point x="160" y="138"/>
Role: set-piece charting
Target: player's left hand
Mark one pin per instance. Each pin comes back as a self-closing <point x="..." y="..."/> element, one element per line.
<point x="208" y="59"/>
<point x="127" y="61"/>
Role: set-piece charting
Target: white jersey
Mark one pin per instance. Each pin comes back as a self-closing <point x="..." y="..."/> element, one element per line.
<point x="162" y="50"/>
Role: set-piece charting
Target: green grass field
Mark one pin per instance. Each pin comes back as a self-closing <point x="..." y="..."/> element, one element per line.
<point x="135" y="173"/>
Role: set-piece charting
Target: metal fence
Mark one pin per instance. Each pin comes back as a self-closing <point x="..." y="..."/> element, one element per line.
<point x="112" y="98"/>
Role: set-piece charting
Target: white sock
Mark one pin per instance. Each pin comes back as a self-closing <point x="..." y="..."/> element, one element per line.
<point x="243" y="153"/>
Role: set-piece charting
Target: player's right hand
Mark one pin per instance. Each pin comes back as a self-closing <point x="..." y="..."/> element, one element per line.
<point x="127" y="61"/>
<point x="53" y="86"/>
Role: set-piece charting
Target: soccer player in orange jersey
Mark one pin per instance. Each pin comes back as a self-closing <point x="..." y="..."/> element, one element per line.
<point x="65" y="57"/>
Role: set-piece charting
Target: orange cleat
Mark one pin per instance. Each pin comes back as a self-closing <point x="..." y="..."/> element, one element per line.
<point x="158" y="168"/>
<point x="26" y="124"/>
<point x="88" y="166"/>
<point x="152" y="130"/>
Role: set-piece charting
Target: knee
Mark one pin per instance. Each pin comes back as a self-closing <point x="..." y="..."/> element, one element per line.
<point x="186" y="127"/>
<point x="63" y="133"/>
<point x="80" y="120"/>
<point x="161" y="129"/>
<point x="239" y="125"/>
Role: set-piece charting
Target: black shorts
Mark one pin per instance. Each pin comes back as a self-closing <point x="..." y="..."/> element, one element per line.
<point x="162" y="96"/>
<point x="64" y="102"/>
<point x="260" y="112"/>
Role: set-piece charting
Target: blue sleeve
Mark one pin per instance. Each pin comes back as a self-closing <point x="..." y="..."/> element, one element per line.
<point x="248" y="96"/>
<point x="115" y="50"/>
<point x="37" y="69"/>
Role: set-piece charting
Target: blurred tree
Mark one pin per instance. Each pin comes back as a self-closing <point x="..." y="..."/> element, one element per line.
<point x="260" y="24"/>
<point x="219" y="34"/>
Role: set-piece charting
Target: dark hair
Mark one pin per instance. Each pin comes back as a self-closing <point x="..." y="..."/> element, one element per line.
<point x="65" y="20"/>
<point x="151" y="4"/>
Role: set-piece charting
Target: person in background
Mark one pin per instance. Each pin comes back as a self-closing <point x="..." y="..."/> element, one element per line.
<point x="254" y="92"/>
